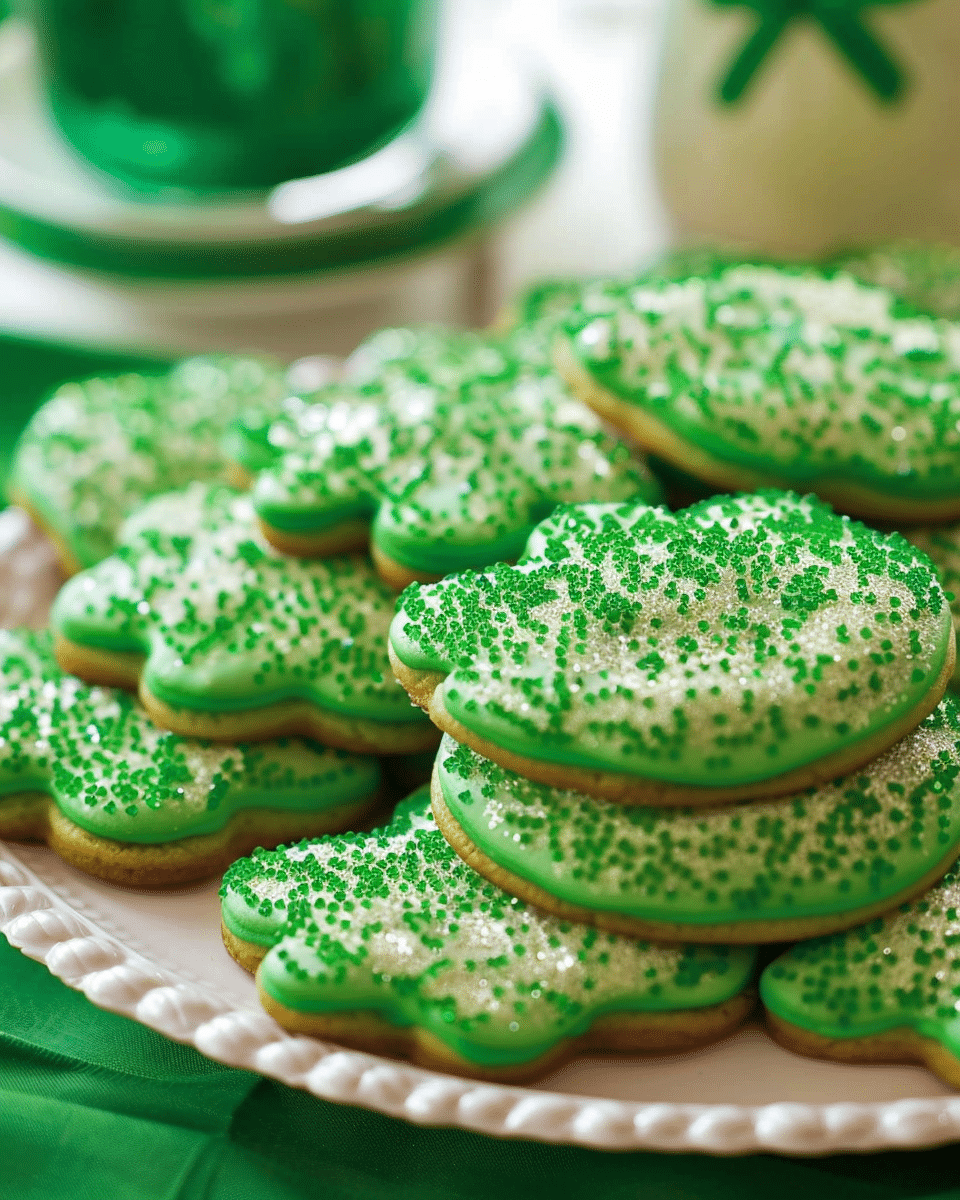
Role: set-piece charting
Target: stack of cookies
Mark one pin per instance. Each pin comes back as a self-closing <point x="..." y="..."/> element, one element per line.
<point x="741" y="376"/>
<point x="667" y="736"/>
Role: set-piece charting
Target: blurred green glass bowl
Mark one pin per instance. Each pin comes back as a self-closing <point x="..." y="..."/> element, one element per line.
<point x="231" y="94"/>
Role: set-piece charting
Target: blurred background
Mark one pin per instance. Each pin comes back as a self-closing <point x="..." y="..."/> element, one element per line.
<point x="288" y="175"/>
<point x="531" y="158"/>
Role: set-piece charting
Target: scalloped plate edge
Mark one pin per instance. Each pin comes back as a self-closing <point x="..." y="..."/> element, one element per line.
<point x="114" y="977"/>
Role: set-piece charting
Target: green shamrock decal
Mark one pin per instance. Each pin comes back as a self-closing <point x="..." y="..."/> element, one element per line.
<point x="843" y="24"/>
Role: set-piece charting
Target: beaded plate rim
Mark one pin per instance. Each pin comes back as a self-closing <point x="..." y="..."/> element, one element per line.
<point x="116" y="977"/>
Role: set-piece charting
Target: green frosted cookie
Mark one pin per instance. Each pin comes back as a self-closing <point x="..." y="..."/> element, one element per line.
<point x="387" y="940"/>
<point x="887" y="991"/>
<point x="448" y="445"/>
<point x="229" y="639"/>
<point x="745" y="646"/>
<point x="99" y="448"/>
<point x="761" y="871"/>
<point x="85" y="769"/>
<point x="757" y="376"/>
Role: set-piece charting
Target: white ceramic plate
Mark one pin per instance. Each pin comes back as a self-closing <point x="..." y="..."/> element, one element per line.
<point x="158" y="959"/>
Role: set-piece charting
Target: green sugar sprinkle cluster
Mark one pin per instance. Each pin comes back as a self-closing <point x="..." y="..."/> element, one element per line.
<point x="113" y="773"/>
<point x="856" y="841"/>
<point x="790" y="373"/>
<point x="925" y="275"/>
<point x="941" y="544"/>
<point x="447" y="441"/>
<point x="227" y="622"/>
<point x="900" y="970"/>
<point x="394" y="921"/>
<point x="726" y="643"/>
<point x="98" y="449"/>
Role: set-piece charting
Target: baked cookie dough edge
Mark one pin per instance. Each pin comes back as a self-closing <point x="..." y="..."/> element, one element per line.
<point x="741" y="933"/>
<point x="154" y="866"/>
<point x="289" y="718"/>
<point x="656" y="438"/>
<point x="424" y="690"/>
<point x="900" y="1045"/>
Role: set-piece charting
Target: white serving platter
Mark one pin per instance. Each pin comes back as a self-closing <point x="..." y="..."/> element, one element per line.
<point x="158" y="959"/>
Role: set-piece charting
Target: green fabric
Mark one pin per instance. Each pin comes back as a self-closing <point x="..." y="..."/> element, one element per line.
<point x="29" y="369"/>
<point x="94" y="1106"/>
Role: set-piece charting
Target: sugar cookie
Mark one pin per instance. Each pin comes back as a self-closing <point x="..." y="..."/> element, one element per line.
<point x="444" y="459"/>
<point x="886" y="991"/>
<point x="387" y="941"/>
<point x="745" y="646"/>
<point x="86" y="770"/>
<point x="760" y="871"/>
<point x="760" y="376"/>
<point x="97" y="449"/>
<point x="229" y="639"/>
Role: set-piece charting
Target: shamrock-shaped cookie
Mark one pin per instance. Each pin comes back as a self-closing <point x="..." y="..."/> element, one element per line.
<point x="757" y="376"/>
<point x="96" y="450"/>
<point x="443" y="456"/>
<point x="761" y="871"/>
<point x="388" y="941"/>
<point x="229" y="639"/>
<point x="86" y="770"/>
<point x="887" y="991"/>
<point x="745" y="646"/>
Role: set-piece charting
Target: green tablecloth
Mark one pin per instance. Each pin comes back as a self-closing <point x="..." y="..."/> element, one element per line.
<point x="96" y="1107"/>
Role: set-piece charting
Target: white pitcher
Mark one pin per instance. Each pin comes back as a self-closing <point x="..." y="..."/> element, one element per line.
<point x="801" y="127"/>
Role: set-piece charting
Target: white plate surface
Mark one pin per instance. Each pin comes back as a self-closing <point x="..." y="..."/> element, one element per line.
<point x="158" y="958"/>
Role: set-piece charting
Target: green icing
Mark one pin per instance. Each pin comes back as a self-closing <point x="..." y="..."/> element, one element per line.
<point x="731" y="642"/>
<point x="942" y="545"/>
<point x="395" y="923"/>
<point x="448" y="443"/>
<point x="549" y="304"/>
<point x="99" y="448"/>
<point x="898" y="971"/>
<point x="861" y="839"/>
<point x="109" y="770"/>
<point x="925" y="275"/>
<point x="247" y="441"/>
<point x="805" y="379"/>
<point x="227" y="623"/>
